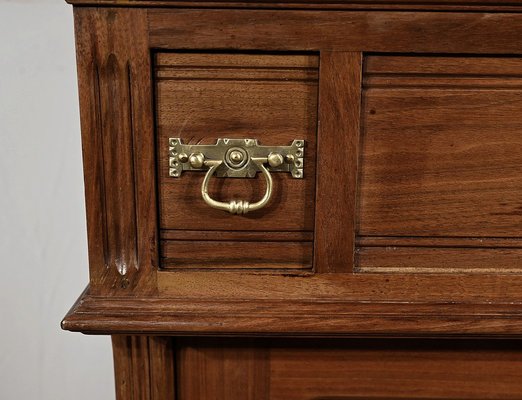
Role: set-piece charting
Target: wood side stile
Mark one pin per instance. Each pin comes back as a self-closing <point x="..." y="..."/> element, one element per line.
<point x="118" y="149"/>
<point x="337" y="158"/>
<point x="143" y="367"/>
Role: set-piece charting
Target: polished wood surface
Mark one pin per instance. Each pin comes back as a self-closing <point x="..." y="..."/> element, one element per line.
<point x="371" y="31"/>
<point x="338" y="146"/>
<point x="203" y="97"/>
<point x="406" y="224"/>
<point x="281" y="369"/>
<point x="438" y="164"/>
<point x="204" y="311"/>
<point x="211" y="369"/>
<point x="144" y="367"/>
<point x="438" y="146"/>
<point x="236" y="254"/>
<point x="118" y="149"/>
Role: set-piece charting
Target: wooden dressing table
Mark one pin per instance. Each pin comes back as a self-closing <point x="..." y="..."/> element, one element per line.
<point x="303" y="200"/>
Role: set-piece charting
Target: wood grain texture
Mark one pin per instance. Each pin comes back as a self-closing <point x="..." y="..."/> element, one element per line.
<point x="236" y="254"/>
<point x="439" y="242"/>
<point x="461" y="288"/>
<point x="242" y="236"/>
<point x="439" y="5"/>
<point x="338" y="145"/>
<point x="202" y="97"/>
<point x="118" y="148"/>
<point x="371" y="31"/>
<point x="301" y="302"/>
<point x="349" y="369"/>
<point x="217" y="372"/>
<point x="272" y="98"/>
<point x="439" y="260"/>
<point x="143" y="367"/>
<point x="322" y="305"/>
<point x="440" y="159"/>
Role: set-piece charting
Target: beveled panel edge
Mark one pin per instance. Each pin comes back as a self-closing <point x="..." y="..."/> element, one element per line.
<point x="440" y="5"/>
<point x="177" y="317"/>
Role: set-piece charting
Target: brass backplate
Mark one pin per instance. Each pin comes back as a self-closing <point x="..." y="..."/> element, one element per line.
<point x="239" y="158"/>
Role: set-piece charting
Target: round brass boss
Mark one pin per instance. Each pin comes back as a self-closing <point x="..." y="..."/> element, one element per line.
<point x="236" y="157"/>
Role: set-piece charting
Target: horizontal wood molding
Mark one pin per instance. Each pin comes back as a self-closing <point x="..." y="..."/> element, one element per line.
<point x="242" y="236"/>
<point x="452" y="5"/>
<point x="236" y="254"/>
<point x="274" y="317"/>
<point x="411" y="32"/>
<point x="439" y="260"/>
<point x="370" y="288"/>
<point x="442" y="72"/>
<point x="236" y="67"/>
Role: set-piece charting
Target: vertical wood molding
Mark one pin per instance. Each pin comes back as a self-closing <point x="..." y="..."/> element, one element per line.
<point x="337" y="158"/>
<point x="143" y="367"/>
<point x="117" y="139"/>
<point x="118" y="148"/>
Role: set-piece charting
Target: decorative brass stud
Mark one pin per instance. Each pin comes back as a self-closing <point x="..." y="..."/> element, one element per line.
<point x="275" y="160"/>
<point x="197" y="160"/>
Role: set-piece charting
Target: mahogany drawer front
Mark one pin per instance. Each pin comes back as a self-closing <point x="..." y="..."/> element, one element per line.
<point x="201" y="97"/>
<point x="439" y="181"/>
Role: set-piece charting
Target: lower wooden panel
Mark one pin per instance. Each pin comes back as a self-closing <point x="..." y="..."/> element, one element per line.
<point x="217" y="370"/>
<point x="212" y="369"/>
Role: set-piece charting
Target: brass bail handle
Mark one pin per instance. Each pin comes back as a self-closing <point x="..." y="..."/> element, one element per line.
<point x="238" y="207"/>
<point x="236" y="158"/>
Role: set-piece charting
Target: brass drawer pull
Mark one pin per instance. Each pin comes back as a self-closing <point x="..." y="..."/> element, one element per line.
<point x="235" y="206"/>
<point x="236" y="158"/>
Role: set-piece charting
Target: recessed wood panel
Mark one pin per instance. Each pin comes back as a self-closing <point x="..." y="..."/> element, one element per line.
<point x="272" y="98"/>
<point x="440" y="157"/>
<point x="348" y="370"/>
<point x="225" y="254"/>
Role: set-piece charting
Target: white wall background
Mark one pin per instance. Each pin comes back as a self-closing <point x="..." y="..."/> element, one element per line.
<point x="43" y="254"/>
